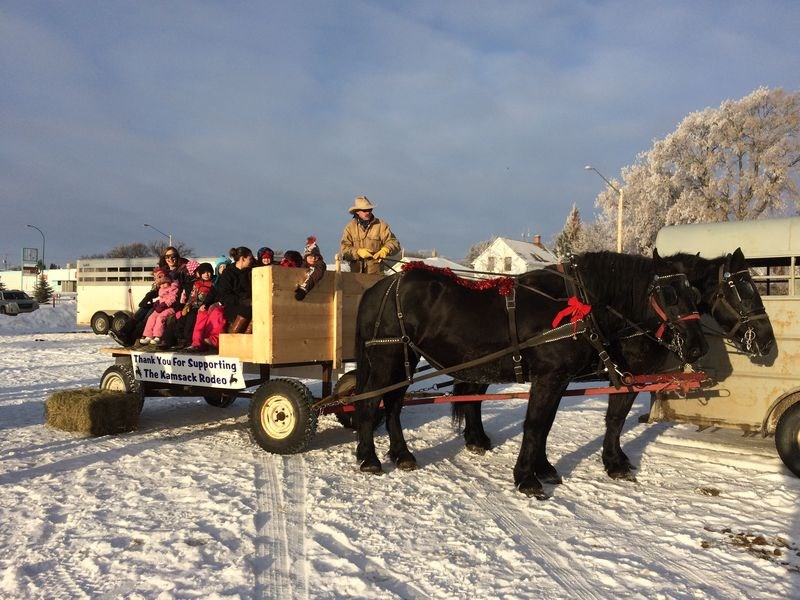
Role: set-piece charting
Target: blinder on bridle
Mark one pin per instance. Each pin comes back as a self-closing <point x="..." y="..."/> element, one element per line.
<point x="666" y="302"/>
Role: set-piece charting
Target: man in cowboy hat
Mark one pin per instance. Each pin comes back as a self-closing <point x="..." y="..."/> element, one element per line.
<point x="366" y="240"/>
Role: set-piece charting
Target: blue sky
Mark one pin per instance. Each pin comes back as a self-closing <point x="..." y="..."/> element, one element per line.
<point x="256" y="123"/>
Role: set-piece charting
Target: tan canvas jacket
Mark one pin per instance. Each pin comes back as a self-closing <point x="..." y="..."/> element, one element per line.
<point x="375" y="237"/>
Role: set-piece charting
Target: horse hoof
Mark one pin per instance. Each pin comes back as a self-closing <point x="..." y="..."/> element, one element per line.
<point x="552" y="478"/>
<point x="373" y="467"/>
<point x="475" y="449"/>
<point x="534" y="492"/>
<point x="625" y="475"/>
<point x="407" y="465"/>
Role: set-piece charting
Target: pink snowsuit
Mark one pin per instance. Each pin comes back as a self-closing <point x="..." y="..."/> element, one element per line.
<point x="210" y="323"/>
<point x="156" y="322"/>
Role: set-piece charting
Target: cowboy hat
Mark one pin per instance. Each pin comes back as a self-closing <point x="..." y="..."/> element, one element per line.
<point x="362" y="203"/>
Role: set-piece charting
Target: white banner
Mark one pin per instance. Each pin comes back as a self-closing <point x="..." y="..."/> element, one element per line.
<point x="188" y="369"/>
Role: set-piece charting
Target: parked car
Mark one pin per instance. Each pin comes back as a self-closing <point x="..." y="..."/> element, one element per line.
<point x="13" y="302"/>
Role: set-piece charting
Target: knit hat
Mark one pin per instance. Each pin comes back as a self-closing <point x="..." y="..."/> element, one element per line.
<point x="161" y="276"/>
<point x="204" y="267"/>
<point x="311" y="247"/>
<point x="265" y="251"/>
<point x="222" y="260"/>
<point x="362" y="203"/>
<point x="292" y="258"/>
<point x="191" y="266"/>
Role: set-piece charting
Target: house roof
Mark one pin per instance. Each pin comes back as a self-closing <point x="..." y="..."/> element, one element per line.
<point x="531" y="252"/>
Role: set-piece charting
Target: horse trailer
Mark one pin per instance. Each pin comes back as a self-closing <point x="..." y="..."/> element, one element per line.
<point x="757" y="395"/>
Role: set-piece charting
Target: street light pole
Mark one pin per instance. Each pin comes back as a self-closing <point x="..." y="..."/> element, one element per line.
<point x="44" y="264"/>
<point x="166" y="235"/>
<point x="619" y="205"/>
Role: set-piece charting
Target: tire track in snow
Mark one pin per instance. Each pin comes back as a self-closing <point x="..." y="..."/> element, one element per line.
<point x="565" y="570"/>
<point x="280" y="557"/>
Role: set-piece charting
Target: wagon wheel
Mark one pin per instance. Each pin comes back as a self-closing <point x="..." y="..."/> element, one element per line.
<point x="281" y="416"/>
<point x="119" y="378"/>
<point x="787" y="438"/>
<point x="221" y="400"/>
<point x="346" y="386"/>
<point x="100" y="323"/>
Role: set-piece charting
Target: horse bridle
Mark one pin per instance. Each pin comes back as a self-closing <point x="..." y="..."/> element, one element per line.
<point x="656" y="294"/>
<point x="728" y="279"/>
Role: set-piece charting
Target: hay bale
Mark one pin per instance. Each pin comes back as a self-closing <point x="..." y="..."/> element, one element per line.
<point x="93" y="411"/>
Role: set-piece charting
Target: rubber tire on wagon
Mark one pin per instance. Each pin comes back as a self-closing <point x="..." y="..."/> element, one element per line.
<point x="100" y="323"/>
<point x="119" y="321"/>
<point x="787" y="438"/>
<point x="346" y="386"/>
<point x="220" y="400"/>
<point x="119" y="378"/>
<point x="282" y="419"/>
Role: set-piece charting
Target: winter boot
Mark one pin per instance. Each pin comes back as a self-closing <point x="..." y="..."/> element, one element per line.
<point x="239" y="324"/>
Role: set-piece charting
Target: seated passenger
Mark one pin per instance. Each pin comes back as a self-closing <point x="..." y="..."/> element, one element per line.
<point x="131" y="330"/>
<point x="316" y="268"/>
<point x="200" y="298"/>
<point x="291" y="258"/>
<point x="264" y="257"/>
<point x="167" y="297"/>
<point x="234" y="291"/>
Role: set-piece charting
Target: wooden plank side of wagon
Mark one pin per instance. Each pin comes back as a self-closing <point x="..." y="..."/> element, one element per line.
<point x="321" y="328"/>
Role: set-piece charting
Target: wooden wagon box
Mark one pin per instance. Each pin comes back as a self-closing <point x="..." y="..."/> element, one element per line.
<point x="285" y="331"/>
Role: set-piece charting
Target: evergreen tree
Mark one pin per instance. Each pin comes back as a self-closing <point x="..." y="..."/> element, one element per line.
<point x="42" y="292"/>
<point x="570" y="240"/>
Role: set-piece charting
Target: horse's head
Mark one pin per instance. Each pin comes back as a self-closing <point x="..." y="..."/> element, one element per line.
<point x="673" y="300"/>
<point x="735" y="304"/>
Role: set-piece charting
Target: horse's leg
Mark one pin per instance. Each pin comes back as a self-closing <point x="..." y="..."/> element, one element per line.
<point x="545" y="394"/>
<point x="545" y="471"/>
<point x="475" y="437"/>
<point x="615" y="462"/>
<point x="366" y="411"/>
<point x="398" y="449"/>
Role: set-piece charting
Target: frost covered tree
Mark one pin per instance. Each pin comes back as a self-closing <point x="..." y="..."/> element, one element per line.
<point x="570" y="240"/>
<point x="739" y="161"/>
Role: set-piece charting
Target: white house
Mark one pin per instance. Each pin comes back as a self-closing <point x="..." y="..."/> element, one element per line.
<point x="513" y="256"/>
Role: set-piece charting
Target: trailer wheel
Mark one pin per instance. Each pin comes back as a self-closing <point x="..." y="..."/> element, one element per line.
<point x="220" y="400"/>
<point x="100" y="323"/>
<point x="119" y="378"/>
<point x="281" y="416"/>
<point x="787" y="438"/>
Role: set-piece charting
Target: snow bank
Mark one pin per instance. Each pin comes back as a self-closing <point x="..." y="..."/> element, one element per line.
<point x="48" y="319"/>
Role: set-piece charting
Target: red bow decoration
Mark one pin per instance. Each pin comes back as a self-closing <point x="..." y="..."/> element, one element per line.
<point x="575" y="310"/>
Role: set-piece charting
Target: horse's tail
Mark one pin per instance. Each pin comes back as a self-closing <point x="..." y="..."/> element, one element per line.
<point x="458" y="410"/>
<point x="457" y="414"/>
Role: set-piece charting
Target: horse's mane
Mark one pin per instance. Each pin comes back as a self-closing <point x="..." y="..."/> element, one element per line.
<point x="503" y="285"/>
<point x="618" y="280"/>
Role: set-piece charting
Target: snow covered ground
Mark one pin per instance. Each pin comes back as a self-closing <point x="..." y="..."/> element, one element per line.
<point x="189" y="507"/>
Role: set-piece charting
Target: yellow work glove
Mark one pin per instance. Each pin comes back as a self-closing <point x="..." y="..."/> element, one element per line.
<point x="364" y="253"/>
<point x="381" y="254"/>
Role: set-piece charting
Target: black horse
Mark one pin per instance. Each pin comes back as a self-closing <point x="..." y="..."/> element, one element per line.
<point x="725" y="291"/>
<point x="431" y="314"/>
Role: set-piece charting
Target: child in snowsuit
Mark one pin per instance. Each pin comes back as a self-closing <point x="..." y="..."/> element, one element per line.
<point x="201" y="297"/>
<point x="315" y="268"/>
<point x="163" y="308"/>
